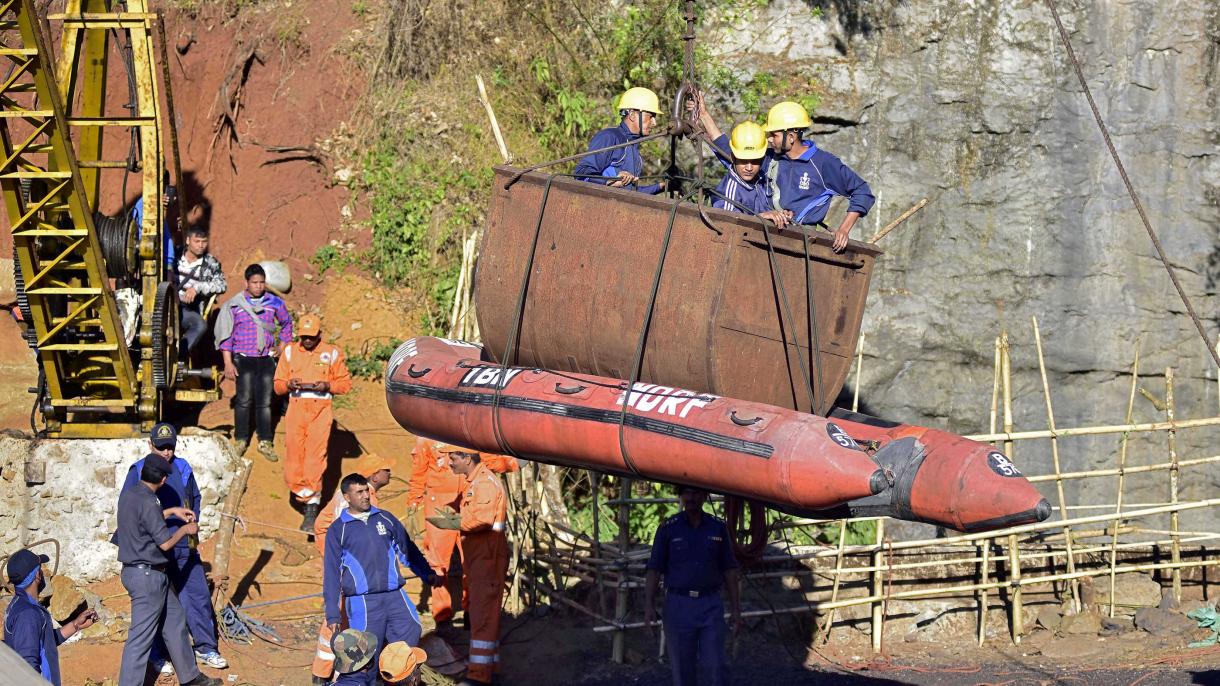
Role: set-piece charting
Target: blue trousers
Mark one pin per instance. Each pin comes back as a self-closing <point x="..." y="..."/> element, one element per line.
<point x="694" y="635"/>
<point x="390" y="616"/>
<point x="187" y="577"/>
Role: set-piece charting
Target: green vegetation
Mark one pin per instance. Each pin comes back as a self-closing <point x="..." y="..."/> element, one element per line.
<point x="370" y="361"/>
<point x="329" y="257"/>
<point x="427" y="151"/>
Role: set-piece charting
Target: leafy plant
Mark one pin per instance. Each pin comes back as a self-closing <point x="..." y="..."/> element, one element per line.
<point x="370" y="362"/>
<point x="329" y="257"/>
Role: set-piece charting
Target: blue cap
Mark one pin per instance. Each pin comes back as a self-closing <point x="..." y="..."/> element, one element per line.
<point x="21" y="566"/>
<point x="163" y="436"/>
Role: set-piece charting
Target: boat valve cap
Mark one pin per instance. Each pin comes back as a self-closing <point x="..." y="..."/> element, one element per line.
<point x="1042" y="510"/>
<point x="878" y="482"/>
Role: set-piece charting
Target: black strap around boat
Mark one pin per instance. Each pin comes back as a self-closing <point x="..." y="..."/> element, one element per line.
<point x="638" y="361"/>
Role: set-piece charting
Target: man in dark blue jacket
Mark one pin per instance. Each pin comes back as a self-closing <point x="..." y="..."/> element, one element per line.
<point x="360" y="569"/>
<point x="622" y="167"/>
<point x="186" y="568"/>
<point x="692" y="550"/>
<point x="802" y="177"/>
<point x="27" y="625"/>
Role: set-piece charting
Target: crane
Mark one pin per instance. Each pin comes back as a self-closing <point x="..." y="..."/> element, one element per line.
<point x="96" y="292"/>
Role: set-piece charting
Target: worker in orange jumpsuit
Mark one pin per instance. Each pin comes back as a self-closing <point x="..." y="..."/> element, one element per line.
<point x="484" y="511"/>
<point x="378" y="471"/>
<point x="310" y="373"/>
<point x="434" y="486"/>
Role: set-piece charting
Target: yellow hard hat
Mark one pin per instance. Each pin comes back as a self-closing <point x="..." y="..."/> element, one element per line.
<point x="748" y="142"/>
<point x="787" y="115"/>
<point x="640" y="99"/>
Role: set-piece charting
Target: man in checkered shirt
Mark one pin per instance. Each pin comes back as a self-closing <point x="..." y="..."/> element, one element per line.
<point x="251" y="329"/>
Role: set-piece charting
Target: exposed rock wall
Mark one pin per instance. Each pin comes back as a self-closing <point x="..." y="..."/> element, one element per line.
<point x="78" y="500"/>
<point x="974" y="105"/>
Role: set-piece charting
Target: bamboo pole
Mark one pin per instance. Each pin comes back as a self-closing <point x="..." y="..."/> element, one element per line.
<point x="901" y="218"/>
<point x="995" y="389"/>
<point x="855" y="395"/>
<point x="1176" y="546"/>
<point x="224" y="534"/>
<point x="1014" y="575"/>
<point x="1146" y="427"/>
<point x="985" y="544"/>
<point x="982" y="592"/>
<point x="1158" y="467"/>
<point x="618" y="648"/>
<point x="1073" y="588"/>
<point x="491" y="115"/>
<point x="454" y="311"/>
<point x="1006" y="379"/>
<point x="829" y="620"/>
<point x="1016" y="530"/>
<point x="878" y="618"/>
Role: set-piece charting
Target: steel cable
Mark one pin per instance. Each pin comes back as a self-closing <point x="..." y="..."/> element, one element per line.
<point x="1122" y="171"/>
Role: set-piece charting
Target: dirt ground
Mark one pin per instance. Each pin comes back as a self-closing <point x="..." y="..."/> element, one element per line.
<point x="300" y="94"/>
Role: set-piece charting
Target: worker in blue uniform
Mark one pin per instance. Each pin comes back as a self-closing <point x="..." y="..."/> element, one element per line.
<point x="744" y="188"/>
<point x="185" y="570"/>
<point x="622" y="167"/>
<point x="360" y="569"/>
<point x="28" y="629"/>
<point x="694" y="554"/>
<point x="802" y="177"/>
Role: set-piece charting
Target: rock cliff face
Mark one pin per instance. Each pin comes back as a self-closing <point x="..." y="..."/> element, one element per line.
<point x="975" y="106"/>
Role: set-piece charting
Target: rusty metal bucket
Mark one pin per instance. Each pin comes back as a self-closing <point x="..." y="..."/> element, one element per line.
<point x="731" y="315"/>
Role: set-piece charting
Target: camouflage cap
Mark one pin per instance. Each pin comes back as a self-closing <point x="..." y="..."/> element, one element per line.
<point x="353" y="650"/>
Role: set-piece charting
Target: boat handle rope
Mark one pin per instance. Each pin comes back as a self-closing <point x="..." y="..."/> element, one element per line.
<point x="416" y="374"/>
<point x="569" y="390"/>
<point x="739" y="421"/>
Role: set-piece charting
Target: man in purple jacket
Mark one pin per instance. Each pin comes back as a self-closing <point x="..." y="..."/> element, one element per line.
<point x="251" y="329"/>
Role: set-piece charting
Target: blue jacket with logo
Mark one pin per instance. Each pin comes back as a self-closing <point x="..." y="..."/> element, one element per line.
<point x="806" y="185"/>
<point x="180" y="490"/>
<point x="604" y="166"/>
<point x="362" y="557"/>
<point x="754" y="197"/>
<point x="28" y="630"/>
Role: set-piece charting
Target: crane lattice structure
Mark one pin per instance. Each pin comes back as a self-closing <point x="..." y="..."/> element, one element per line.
<point x="95" y="291"/>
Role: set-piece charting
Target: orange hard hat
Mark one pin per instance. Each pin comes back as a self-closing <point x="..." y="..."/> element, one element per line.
<point x="371" y="463"/>
<point x="450" y="448"/>
<point x="309" y="325"/>
<point x="399" y="661"/>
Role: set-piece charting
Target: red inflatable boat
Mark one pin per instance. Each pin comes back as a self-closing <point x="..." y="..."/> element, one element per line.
<point x="941" y="478"/>
<point x="445" y="391"/>
<point x="845" y="465"/>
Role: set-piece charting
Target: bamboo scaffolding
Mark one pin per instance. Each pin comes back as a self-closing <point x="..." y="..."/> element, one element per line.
<point x="1175" y="546"/>
<point x="1146" y="427"/>
<point x="1090" y="545"/>
<point x="959" y="590"/>
<point x="1073" y="588"/>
